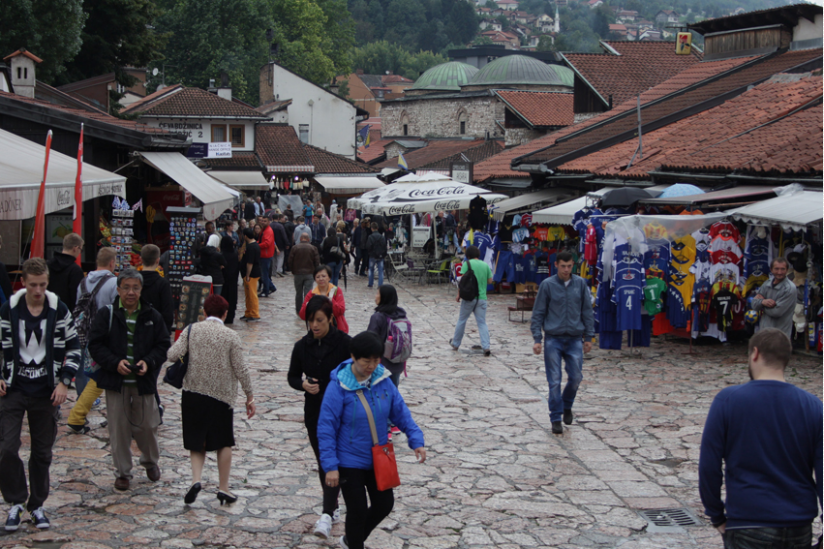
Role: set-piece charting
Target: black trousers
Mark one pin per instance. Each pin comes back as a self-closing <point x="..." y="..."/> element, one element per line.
<point x="330" y="495"/>
<point x="43" y="417"/>
<point x="361" y="518"/>
<point x="229" y="293"/>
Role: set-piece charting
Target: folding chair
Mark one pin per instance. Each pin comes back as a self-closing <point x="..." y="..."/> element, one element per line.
<point x="441" y="271"/>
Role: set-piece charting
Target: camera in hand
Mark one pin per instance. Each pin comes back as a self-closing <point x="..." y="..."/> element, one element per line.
<point x="134" y="368"/>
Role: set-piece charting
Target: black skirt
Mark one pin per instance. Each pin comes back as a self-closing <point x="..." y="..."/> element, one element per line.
<point x="207" y="423"/>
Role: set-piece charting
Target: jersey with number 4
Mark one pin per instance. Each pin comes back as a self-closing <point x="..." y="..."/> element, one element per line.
<point x="628" y="296"/>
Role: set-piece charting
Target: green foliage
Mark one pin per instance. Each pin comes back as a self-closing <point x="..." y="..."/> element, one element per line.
<point x="504" y="21"/>
<point x="50" y="29"/>
<point x="314" y="39"/>
<point x="379" y="57"/>
<point x="482" y="41"/>
<point x="414" y="24"/>
<point x="545" y="44"/>
<point x="117" y="34"/>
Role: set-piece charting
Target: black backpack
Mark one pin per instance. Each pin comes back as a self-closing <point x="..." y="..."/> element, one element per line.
<point x="85" y="309"/>
<point x="468" y="286"/>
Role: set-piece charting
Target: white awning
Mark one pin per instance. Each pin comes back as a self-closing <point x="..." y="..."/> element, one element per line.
<point x="21" y="171"/>
<point x="561" y="214"/>
<point x="414" y="193"/>
<point x="503" y="207"/>
<point x="251" y="180"/>
<point x="348" y="185"/>
<point x="215" y="197"/>
<point x="792" y="211"/>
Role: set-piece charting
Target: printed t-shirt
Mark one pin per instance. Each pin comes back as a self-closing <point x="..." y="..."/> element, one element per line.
<point x="521" y="265"/>
<point x="655" y="231"/>
<point x="32" y="378"/>
<point x="726" y="229"/>
<point x="556" y="233"/>
<point x="653" y="294"/>
<point x="482" y="274"/>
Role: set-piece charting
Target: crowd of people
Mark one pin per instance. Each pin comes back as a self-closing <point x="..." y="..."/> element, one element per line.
<point x="111" y="334"/>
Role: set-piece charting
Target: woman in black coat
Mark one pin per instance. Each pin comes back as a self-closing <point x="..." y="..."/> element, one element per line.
<point x="314" y="357"/>
<point x="230" y="274"/>
<point x="212" y="262"/>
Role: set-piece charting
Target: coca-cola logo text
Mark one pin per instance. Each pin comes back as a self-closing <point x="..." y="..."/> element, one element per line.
<point x="440" y="191"/>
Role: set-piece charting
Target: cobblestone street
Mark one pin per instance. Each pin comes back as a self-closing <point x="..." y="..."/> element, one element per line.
<point x="495" y="475"/>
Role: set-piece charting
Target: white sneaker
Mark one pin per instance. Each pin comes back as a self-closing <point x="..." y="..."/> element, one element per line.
<point x="336" y="516"/>
<point x="343" y="542"/>
<point x="323" y="527"/>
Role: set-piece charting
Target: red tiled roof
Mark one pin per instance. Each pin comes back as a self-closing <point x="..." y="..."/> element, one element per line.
<point x="326" y="162"/>
<point x="434" y="151"/>
<point x="191" y="102"/>
<point x="618" y="27"/>
<point x="475" y="154"/>
<point x="96" y="115"/>
<point x="24" y="53"/>
<point x="376" y="143"/>
<point x="624" y="125"/>
<point x="499" y="165"/>
<point x="639" y="67"/>
<point x="280" y="150"/>
<point x="727" y="137"/>
<point x="396" y="79"/>
<point x="541" y="108"/>
<point x="151" y="97"/>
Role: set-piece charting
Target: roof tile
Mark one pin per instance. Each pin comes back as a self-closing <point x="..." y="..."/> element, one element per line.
<point x="541" y="108"/>
<point x="191" y="102"/>
<point x="433" y="152"/>
<point x="326" y="162"/>
<point x="280" y="150"/>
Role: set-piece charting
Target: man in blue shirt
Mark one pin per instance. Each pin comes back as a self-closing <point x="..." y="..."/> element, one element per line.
<point x="769" y="435"/>
<point x="563" y="310"/>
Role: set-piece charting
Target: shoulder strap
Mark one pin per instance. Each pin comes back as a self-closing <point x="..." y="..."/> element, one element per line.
<point x="111" y="314"/>
<point x="99" y="285"/>
<point x="188" y="338"/>
<point x="371" y="419"/>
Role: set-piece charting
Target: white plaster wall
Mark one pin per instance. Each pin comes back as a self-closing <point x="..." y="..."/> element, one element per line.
<point x="806" y="30"/>
<point x="203" y="133"/>
<point x="331" y="119"/>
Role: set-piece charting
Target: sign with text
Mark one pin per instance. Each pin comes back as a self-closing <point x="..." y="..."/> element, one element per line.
<point x="420" y="235"/>
<point x="221" y="149"/>
<point x="461" y="172"/>
<point x="193" y="292"/>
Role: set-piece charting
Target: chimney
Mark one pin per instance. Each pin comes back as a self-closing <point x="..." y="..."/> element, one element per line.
<point x="23" y="72"/>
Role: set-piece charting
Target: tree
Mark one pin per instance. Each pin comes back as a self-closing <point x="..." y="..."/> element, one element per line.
<point x="117" y="34"/>
<point x="416" y="64"/>
<point x="504" y="21"/>
<point x="50" y="29"/>
<point x="482" y="41"/>
<point x="545" y="43"/>
<point x="379" y="57"/>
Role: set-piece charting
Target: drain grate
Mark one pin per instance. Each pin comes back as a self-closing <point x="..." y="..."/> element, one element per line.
<point x="668" y="519"/>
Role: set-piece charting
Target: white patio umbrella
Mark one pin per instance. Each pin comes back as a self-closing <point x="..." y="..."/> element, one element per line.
<point x="428" y="192"/>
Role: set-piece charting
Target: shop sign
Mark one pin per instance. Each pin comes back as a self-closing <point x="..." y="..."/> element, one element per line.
<point x="420" y="235"/>
<point x="461" y="172"/>
<point x="222" y="149"/>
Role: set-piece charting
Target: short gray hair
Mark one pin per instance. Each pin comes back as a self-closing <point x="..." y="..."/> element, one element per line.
<point x="304" y="237"/>
<point x="126" y="274"/>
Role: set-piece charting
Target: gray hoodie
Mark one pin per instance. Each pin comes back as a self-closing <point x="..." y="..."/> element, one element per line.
<point x="563" y="309"/>
<point x="106" y="294"/>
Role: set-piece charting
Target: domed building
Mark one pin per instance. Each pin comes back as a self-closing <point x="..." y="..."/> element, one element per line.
<point x="522" y="73"/>
<point x="514" y="97"/>
<point x="444" y="78"/>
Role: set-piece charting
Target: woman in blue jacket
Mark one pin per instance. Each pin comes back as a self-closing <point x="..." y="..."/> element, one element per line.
<point x="345" y="438"/>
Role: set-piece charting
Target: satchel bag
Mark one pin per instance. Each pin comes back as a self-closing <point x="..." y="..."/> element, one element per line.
<point x="177" y="371"/>
<point x="383" y="457"/>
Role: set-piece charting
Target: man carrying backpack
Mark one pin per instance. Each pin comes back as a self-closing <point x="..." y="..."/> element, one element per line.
<point x="96" y="291"/>
<point x="476" y="275"/>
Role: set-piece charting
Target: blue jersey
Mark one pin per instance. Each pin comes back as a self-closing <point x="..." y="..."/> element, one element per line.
<point x="757" y="257"/>
<point x="532" y="269"/>
<point x="542" y="267"/>
<point x="677" y="313"/>
<point x="520" y="263"/>
<point x="657" y="256"/>
<point x="628" y="296"/>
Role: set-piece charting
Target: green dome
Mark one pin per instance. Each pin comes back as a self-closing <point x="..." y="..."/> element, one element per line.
<point x="520" y="69"/>
<point x="446" y="77"/>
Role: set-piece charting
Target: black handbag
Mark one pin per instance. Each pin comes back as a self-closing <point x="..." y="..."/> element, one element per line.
<point x="177" y="371"/>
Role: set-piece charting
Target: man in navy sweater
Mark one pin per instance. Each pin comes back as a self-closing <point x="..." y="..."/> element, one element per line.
<point x="769" y="435"/>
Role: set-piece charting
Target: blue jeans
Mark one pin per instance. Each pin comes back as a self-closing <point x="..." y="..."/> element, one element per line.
<point x="372" y="264"/>
<point x="266" y="275"/>
<point x="571" y="350"/>
<point x="477" y="306"/>
<point x="769" y="538"/>
<point x="336" y="268"/>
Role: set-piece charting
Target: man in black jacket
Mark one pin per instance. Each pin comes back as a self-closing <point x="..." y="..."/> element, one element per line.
<point x="249" y="210"/>
<point x="64" y="272"/>
<point x="128" y="343"/>
<point x="289" y="227"/>
<point x="281" y="242"/>
<point x="157" y="291"/>
<point x="376" y="249"/>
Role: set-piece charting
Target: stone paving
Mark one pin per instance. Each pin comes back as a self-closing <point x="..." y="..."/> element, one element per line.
<point x="495" y="475"/>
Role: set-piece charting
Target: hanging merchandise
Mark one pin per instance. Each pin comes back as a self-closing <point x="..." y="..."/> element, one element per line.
<point x="682" y="280"/>
<point x="478" y="215"/>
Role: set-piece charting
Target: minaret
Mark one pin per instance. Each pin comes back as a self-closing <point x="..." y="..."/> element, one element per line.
<point x="557" y="20"/>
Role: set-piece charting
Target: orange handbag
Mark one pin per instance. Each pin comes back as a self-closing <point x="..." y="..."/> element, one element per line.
<point x="383" y="456"/>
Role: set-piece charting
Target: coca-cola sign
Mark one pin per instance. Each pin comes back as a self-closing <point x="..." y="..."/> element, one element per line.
<point x="439" y="191"/>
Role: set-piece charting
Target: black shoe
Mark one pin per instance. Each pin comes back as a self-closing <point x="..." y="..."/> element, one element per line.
<point x="453" y="347"/>
<point x="228" y="499"/>
<point x="15" y="518"/>
<point x="161" y="409"/>
<point x="568" y="417"/>
<point x="79" y="429"/>
<point x="487" y="352"/>
<point x="191" y="495"/>
<point x="252" y="320"/>
<point x="39" y="518"/>
<point x="557" y="428"/>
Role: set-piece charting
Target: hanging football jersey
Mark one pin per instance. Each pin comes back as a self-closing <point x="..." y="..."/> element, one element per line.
<point x="591" y="249"/>
<point x="726" y="229"/>
<point x="654" y="289"/>
<point x="657" y="256"/>
<point x="556" y="233"/>
<point x="655" y="231"/>
<point x="683" y="257"/>
<point x="723" y="302"/>
<point x="758" y="253"/>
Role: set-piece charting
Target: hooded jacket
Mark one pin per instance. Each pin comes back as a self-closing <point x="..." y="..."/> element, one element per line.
<point x="62" y="349"/>
<point x="107" y="346"/>
<point x="64" y="278"/>
<point x="344" y="436"/>
<point x="158" y="293"/>
<point x="379" y="324"/>
<point x="316" y="358"/>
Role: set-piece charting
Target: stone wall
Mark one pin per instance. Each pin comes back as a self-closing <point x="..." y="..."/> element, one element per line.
<point x="519" y="136"/>
<point x="440" y="117"/>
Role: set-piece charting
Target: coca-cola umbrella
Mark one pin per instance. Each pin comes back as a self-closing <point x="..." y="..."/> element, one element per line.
<point x="428" y="192"/>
